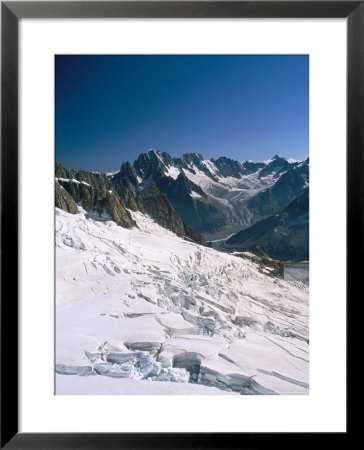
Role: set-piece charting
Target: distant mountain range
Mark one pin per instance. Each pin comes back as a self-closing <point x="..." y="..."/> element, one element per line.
<point x="284" y="236"/>
<point x="202" y="199"/>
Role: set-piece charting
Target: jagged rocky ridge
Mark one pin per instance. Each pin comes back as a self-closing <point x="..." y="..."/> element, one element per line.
<point x="93" y="191"/>
<point x="201" y="199"/>
<point x="188" y="199"/>
<point x="221" y="195"/>
<point x="103" y="197"/>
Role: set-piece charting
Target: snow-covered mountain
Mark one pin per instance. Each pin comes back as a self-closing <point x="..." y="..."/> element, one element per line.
<point x="143" y="311"/>
<point x="218" y="196"/>
<point x="203" y="200"/>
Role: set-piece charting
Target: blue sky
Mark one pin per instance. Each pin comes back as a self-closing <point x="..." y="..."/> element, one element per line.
<point x="109" y="109"/>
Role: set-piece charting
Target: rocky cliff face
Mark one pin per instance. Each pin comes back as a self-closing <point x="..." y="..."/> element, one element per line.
<point x="96" y="193"/>
<point x="190" y="202"/>
<point x="127" y="196"/>
<point x="64" y="200"/>
<point x="156" y="204"/>
<point x="229" y="168"/>
<point x="61" y="172"/>
<point x="149" y="162"/>
<point x="93" y="191"/>
<point x="127" y="177"/>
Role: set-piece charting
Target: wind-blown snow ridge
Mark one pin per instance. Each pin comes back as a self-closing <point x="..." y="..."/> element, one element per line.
<point x="67" y="180"/>
<point x="146" y="305"/>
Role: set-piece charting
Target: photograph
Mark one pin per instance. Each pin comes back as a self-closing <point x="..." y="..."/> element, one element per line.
<point x="181" y="224"/>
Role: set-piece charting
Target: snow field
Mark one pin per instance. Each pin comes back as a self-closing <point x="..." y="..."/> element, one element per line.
<point x="147" y="306"/>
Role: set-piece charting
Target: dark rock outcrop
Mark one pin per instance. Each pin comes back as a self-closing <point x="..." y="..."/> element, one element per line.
<point x="202" y="213"/>
<point x="128" y="197"/>
<point x="157" y="205"/>
<point x="147" y="163"/>
<point x="229" y="168"/>
<point x="266" y="265"/>
<point x="64" y="200"/>
<point x="60" y="171"/>
<point x="252" y="167"/>
<point x="93" y="191"/>
<point x="96" y="193"/>
<point x="113" y="206"/>
<point x="284" y="236"/>
<point x="199" y="211"/>
<point x="126" y="177"/>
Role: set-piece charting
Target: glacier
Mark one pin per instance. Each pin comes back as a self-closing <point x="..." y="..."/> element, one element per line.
<point x="142" y="311"/>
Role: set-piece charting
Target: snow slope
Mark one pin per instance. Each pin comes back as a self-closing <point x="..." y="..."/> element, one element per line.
<point x="227" y="189"/>
<point x="147" y="306"/>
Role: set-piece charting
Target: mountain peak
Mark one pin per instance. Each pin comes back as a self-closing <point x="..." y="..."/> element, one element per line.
<point x="152" y="153"/>
<point x="193" y="155"/>
<point x="153" y="150"/>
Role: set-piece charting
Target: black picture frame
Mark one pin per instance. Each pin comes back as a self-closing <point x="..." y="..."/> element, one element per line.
<point x="11" y="12"/>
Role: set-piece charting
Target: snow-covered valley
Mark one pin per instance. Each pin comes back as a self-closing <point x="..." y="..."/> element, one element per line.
<point x="142" y="311"/>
